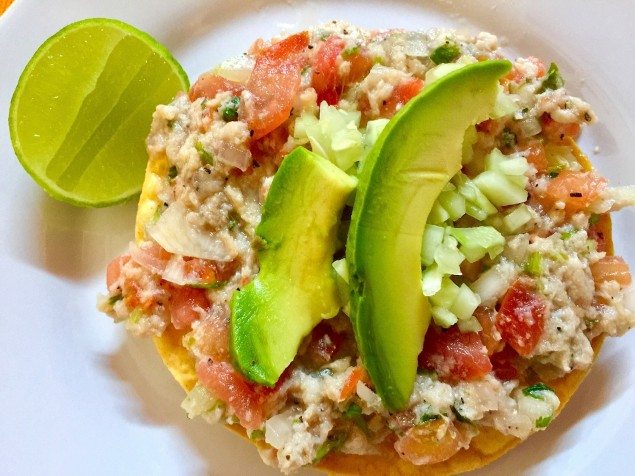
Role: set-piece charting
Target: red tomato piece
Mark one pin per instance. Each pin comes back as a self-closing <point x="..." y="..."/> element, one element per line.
<point x="504" y="363"/>
<point x="208" y="85"/>
<point x="454" y="355"/>
<point x="360" y="66"/>
<point x="186" y="305"/>
<point x="246" y="399"/>
<point x="325" y="79"/>
<point x="213" y="336"/>
<point x="274" y="83"/>
<point x="489" y="335"/>
<point x="402" y="93"/>
<point x="577" y="190"/>
<point x="521" y="318"/>
<point x="611" y="268"/>
<point x="557" y="131"/>
<point x="113" y="271"/>
<point x="536" y="155"/>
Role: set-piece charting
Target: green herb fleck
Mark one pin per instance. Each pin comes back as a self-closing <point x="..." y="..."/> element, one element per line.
<point x="229" y="109"/>
<point x="553" y="174"/>
<point x="172" y="172"/>
<point x="378" y="60"/>
<point x="535" y="391"/>
<point x="553" y="79"/>
<point x="135" y="315"/>
<point x="543" y="422"/>
<point x="256" y="435"/>
<point x="113" y="299"/>
<point x="171" y="124"/>
<point x="594" y="219"/>
<point x="205" y="156"/>
<point x="332" y="443"/>
<point x="508" y="138"/>
<point x="426" y="417"/>
<point x="446" y="53"/>
<point x="460" y="417"/>
<point x="349" y="52"/>
<point x="566" y="234"/>
<point x="354" y="413"/>
<point x="304" y="70"/>
<point x="217" y="284"/>
<point x="533" y="266"/>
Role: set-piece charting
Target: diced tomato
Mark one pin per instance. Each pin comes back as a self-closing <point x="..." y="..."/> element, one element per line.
<point x="213" y="336"/>
<point x="577" y="190"/>
<point x="489" y="335"/>
<point x="325" y="79"/>
<point x="203" y="272"/>
<point x="454" y="355"/>
<point x="274" y="83"/>
<point x="521" y="318"/>
<point x="350" y="385"/>
<point x="611" y="268"/>
<point x="402" y="93"/>
<point x="504" y="363"/>
<point x="360" y="66"/>
<point x="151" y="256"/>
<point x="597" y="232"/>
<point x="421" y="444"/>
<point x="536" y="156"/>
<point x="208" y="85"/>
<point x="324" y="343"/>
<point x="186" y="305"/>
<point x="246" y="399"/>
<point x="113" y="271"/>
<point x="271" y="146"/>
<point x="557" y="131"/>
<point x="518" y="76"/>
<point x="287" y="48"/>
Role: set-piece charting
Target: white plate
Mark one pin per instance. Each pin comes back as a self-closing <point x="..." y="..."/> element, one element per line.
<point x="80" y="397"/>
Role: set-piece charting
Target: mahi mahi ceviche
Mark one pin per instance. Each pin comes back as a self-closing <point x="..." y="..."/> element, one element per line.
<point x="516" y="260"/>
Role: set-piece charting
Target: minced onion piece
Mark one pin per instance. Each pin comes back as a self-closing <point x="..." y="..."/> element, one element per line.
<point x="175" y="235"/>
<point x="494" y="282"/>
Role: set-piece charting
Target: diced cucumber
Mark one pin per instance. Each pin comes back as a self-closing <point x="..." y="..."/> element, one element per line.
<point x="447" y="294"/>
<point x="432" y="238"/>
<point x="438" y="214"/>
<point x="453" y="203"/>
<point x="447" y="257"/>
<point x="517" y="218"/>
<point x="499" y="189"/>
<point x="442" y="317"/>
<point x="465" y="303"/>
<point x="469" y="325"/>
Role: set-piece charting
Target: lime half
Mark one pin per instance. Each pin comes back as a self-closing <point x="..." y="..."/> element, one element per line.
<point x="83" y="106"/>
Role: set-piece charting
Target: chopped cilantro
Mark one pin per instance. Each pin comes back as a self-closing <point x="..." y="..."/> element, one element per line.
<point x="205" y="156"/>
<point x="565" y="235"/>
<point x="352" y="51"/>
<point x="172" y="172"/>
<point x="218" y="284"/>
<point x="426" y="417"/>
<point x="446" y="53"/>
<point x="593" y="219"/>
<point x="171" y="124"/>
<point x="229" y="110"/>
<point x="332" y="443"/>
<point x="534" y="391"/>
<point x="544" y="421"/>
<point x="533" y="266"/>
<point x="354" y="413"/>
<point x="553" y="80"/>
<point x="114" y="299"/>
<point x="460" y="417"/>
<point x="256" y="435"/>
<point x="135" y="315"/>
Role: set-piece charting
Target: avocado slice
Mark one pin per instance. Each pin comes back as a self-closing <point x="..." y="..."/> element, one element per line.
<point x="295" y="288"/>
<point x="415" y="156"/>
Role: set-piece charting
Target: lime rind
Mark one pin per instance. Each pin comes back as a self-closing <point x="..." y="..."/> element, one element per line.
<point x="50" y="186"/>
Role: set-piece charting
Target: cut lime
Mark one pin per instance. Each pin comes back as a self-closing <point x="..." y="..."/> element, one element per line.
<point x="83" y="106"/>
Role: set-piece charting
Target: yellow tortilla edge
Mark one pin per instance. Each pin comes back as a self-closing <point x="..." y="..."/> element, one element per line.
<point x="485" y="448"/>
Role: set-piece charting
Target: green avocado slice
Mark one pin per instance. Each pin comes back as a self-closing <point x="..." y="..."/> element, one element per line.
<point x="415" y="156"/>
<point x="295" y="288"/>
